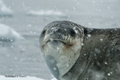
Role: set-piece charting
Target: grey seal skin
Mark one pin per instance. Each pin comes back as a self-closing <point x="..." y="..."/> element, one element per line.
<point x="75" y="52"/>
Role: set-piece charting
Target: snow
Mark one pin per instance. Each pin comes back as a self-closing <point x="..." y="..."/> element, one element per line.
<point x="110" y="73"/>
<point x="105" y="62"/>
<point x="58" y="48"/>
<point x="101" y="39"/>
<point x="46" y="13"/>
<point x="4" y="10"/>
<point x="21" y="78"/>
<point x="7" y="33"/>
<point x="89" y="35"/>
<point x="54" y="79"/>
<point x="82" y="44"/>
<point x="75" y="29"/>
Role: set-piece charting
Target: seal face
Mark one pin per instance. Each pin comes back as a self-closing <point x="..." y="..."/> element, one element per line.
<point x="61" y="44"/>
<point x="74" y="52"/>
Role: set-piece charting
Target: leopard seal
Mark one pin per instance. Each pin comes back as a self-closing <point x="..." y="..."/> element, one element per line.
<point x="75" y="52"/>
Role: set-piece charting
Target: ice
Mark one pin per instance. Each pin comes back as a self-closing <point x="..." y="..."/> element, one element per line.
<point x="19" y="78"/>
<point x="7" y="33"/>
<point x="46" y="13"/>
<point x="4" y="10"/>
<point x="54" y="79"/>
<point x="89" y="23"/>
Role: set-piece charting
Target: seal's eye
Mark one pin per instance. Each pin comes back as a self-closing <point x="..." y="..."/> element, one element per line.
<point x="72" y="32"/>
<point x="43" y="33"/>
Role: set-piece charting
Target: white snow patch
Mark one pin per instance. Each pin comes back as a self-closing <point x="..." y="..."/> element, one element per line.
<point x="109" y="74"/>
<point x="4" y="10"/>
<point x="46" y="13"/>
<point x="101" y="39"/>
<point x="21" y="78"/>
<point x="82" y="44"/>
<point x="54" y="79"/>
<point x="58" y="48"/>
<point x="75" y="29"/>
<point x="90" y="24"/>
<point x="105" y="62"/>
<point x="89" y="35"/>
<point x="7" y="33"/>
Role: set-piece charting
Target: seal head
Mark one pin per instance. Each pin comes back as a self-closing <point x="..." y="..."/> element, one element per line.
<point x="61" y="42"/>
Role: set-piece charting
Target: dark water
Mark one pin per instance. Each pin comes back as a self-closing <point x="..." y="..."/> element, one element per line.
<point x="23" y="57"/>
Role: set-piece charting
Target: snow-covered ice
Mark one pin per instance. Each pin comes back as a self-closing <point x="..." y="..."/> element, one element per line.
<point x="21" y="78"/>
<point x="7" y="33"/>
<point x="46" y="13"/>
<point x="4" y="10"/>
<point x="54" y="79"/>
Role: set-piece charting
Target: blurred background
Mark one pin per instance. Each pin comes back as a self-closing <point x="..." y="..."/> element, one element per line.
<point x="21" y="22"/>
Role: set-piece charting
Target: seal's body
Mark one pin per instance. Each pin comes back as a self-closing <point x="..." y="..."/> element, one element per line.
<point x="74" y="52"/>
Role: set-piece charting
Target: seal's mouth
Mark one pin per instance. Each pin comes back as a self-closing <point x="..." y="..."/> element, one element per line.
<point x="54" y="40"/>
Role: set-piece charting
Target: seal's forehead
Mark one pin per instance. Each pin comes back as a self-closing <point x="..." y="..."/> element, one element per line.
<point x="66" y="27"/>
<point x="52" y="24"/>
<point x="62" y="24"/>
<point x="61" y="29"/>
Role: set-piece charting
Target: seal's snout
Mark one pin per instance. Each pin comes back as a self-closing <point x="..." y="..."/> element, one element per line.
<point x="61" y="34"/>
